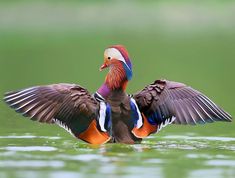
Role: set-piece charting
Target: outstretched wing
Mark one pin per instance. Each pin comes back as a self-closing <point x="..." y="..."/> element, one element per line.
<point x="69" y="105"/>
<point x="164" y="102"/>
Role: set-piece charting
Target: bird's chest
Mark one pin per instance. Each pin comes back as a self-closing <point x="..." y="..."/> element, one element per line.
<point x="122" y="122"/>
<point x="120" y="107"/>
<point x="120" y="112"/>
<point x="119" y="102"/>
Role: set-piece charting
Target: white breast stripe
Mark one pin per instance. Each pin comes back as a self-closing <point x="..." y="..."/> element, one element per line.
<point x="102" y="116"/>
<point x="98" y="97"/>
<point x="140" y="119"/>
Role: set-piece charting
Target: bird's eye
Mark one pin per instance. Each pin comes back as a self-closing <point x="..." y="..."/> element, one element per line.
<point x="109" y="57"/>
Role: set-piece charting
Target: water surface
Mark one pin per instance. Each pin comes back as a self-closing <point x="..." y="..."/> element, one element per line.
<point x="191" y="156"/>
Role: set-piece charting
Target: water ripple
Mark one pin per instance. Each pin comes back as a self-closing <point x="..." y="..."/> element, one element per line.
<point x="31" y="163"/>
<point x="29" y="148"/>
<point x="27" y="137"/>
<point x="229" y="163"/>
<point x="223" y="139"/>
<point x="84" y="157"/>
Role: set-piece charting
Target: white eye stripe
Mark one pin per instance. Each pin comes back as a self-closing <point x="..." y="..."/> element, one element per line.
<point x="114" y="53"/>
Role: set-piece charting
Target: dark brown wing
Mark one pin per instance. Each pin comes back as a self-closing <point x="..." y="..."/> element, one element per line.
<point x="68" y="105"/>
<point x="163" y="99"/>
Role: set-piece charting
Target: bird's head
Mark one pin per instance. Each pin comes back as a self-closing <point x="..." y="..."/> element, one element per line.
<point x="116" y="57"/>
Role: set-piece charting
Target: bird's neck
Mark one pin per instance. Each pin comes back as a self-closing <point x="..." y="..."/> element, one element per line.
<point x="115" y="80"/>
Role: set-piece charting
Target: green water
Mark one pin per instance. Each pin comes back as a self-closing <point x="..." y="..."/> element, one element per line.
<point x="48" y="42"/>
<point x="60" y="156"/>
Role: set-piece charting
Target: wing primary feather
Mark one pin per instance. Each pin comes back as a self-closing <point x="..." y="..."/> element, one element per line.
<point x="46" y="112"/>
<point x="12" y="94"/>
<point x="186" y="112"/>
<point x="18" y="96"/>
<point x="174" y="94"/>
<point x="30" y="108"/>
<point x="209" y="107"/>
<point x="191" y="92"/>
<point x="40" y="111"/>
<point x="196" y="109"/>
<point x="179" y="105"/>
<point x="200" y="110"/>
<point x="24" y="105"/>
<point x="20" y="101"/>
<point x="191" y="111"/>
<point x="217" y="109"/>
<point x="33" y="110"/>
<point x="179" y="110"/>
<point x="204" y="111"/>
<point x="214" y="112"/>
<point x="49" y="117"/>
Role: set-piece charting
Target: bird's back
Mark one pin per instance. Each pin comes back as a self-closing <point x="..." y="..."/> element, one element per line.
<point x="122" y="121"/>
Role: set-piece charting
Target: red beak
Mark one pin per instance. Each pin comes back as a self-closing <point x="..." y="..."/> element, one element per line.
<point x="103" y="66"/>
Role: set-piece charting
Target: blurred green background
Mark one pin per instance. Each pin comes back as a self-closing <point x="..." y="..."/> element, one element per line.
<point x="53" y="41"/>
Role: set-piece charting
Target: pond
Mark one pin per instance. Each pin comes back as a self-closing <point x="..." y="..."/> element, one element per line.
<point x="187" y="156"/>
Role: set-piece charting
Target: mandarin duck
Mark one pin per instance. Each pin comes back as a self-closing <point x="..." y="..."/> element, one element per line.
<point x="110" y="114"/>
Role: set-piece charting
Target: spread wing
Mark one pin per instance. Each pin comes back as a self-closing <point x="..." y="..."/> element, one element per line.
<point x="164" y="102"/>
<point x="69" y="105"/>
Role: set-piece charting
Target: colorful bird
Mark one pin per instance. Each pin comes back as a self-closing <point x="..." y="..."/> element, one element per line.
<point x="111" y="115"/>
